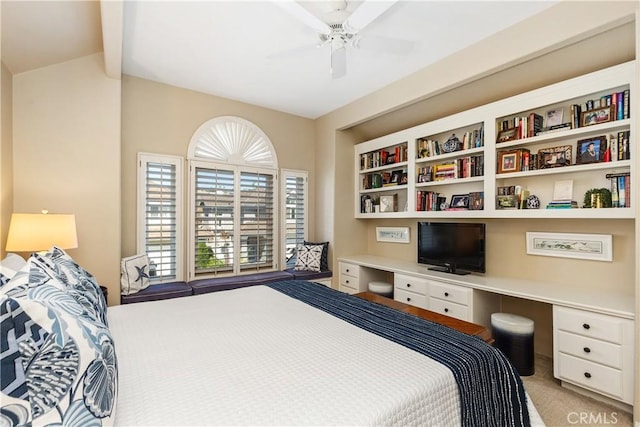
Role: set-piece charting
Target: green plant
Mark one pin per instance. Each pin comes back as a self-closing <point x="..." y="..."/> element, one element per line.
<point x="592" y="196"/>
<point x="205" y="257"/>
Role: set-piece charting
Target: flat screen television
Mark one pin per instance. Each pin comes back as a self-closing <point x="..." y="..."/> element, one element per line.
<point x="452" y="247"/>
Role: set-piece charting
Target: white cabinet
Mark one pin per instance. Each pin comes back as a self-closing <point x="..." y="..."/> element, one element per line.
<point x="411" y="290"/>
<point x="487" y="163"/>
<point x="594" y="351"/>
<point x="354" y="278"/>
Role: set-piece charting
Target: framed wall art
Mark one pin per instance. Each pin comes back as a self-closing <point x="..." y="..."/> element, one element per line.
<point x="393" y="234"/>
<point x="596" y="247"/>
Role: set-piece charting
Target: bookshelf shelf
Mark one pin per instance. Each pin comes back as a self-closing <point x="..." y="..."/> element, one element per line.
<point x="473" y="167"/>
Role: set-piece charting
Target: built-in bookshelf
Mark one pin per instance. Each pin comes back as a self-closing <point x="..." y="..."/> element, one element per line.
<point x="579" y="131"/>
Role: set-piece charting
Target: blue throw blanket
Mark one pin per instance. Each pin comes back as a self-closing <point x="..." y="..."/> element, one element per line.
<point x="491" y="391"/>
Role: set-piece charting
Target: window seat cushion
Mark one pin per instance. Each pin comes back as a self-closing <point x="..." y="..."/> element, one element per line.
<point x="215" y="284"/>
<point x="159" y="291"/>
<point x="309" y="275"/>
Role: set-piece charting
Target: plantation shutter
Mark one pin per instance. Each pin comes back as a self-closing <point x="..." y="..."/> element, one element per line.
<point x="159" y="218"/>
<point x="214" y="220"/>
<point x="256" y="221"/>
<point x="295" y="221"/>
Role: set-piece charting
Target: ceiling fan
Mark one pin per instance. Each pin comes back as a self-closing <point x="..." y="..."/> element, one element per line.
<point x="340" y="28"/>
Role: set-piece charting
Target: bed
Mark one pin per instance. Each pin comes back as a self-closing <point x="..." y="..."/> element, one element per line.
<point x="285" y="353"/>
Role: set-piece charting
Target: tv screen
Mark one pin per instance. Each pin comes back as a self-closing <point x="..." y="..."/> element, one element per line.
<point x="452" y="247"/>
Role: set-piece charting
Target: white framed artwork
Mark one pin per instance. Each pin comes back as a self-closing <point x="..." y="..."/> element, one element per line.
<point x="596" y="247"/>
<point x="392" y="234"/>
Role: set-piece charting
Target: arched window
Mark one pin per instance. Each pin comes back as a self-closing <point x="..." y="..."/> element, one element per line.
<point x="233" y="208"/>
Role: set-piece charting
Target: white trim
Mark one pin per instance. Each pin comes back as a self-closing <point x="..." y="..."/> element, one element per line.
<point x="284" y="173"/>
<point x="596" y="247"/>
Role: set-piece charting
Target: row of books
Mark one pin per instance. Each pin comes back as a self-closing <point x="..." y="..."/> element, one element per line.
<point x="430" y="147"/>
<point x="618" y="146"/>
<point x="562" y="204"/>
<point x="620" y="189"/>
<point x="376" y="159"/>
<point x="619" y="101"/>
<point x="464" y="167"/>
<point x="429" y="201"/>
<point x="525" y="126"/>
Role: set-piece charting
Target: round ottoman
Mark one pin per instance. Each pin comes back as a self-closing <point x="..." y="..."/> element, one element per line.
<point x="381" y="288"/>
<point x="513" y="335"/>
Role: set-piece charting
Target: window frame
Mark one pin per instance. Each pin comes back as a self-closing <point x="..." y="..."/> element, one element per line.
<point x="144" y="159"/>
<point x="284" y="174"/>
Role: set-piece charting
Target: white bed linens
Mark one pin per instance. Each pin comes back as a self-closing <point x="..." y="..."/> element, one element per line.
<point x="254" y="356"/>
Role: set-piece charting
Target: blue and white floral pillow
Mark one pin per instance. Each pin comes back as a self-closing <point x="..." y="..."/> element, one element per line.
<point x="59" y="364"/>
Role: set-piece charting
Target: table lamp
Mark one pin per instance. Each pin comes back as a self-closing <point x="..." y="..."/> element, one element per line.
<point x="38" y="232"/>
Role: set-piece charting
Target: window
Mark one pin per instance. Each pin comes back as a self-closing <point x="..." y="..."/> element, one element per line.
<point x="233" y="205"/>
<point x="159" y="215"/>
<point x="294" y="224"/>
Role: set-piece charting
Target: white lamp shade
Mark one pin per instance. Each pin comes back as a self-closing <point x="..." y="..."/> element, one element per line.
<point x="38" y="232"/>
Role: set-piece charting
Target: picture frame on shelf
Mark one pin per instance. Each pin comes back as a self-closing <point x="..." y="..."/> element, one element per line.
<point x="555" y="156"/>
<point x="459" y="201"/>
<point x="591" y="150"/>
<point x="393" y="234"/>
<point x="554" y="117"/>
<point x="509" y="161"/>
<point x="476" y="200"/>
<point x="389" y="203"/>
<point x="510" y="134"/>
<point x="597" y="116"/>
<point x="509" y="201"/>
<point x="595" y="247"/>
<point x="396" y="177"/>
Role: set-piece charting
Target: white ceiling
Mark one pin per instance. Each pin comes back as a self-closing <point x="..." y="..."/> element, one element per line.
<point x="253" y="51"/>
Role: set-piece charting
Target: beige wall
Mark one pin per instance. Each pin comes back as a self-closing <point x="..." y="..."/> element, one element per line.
<point x="6" y="155"/>
<point x="66" y="143"/>
<point x="159" y="118"/>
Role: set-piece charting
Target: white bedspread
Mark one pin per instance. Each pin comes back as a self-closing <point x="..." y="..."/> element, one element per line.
<point x="254" y="356"/>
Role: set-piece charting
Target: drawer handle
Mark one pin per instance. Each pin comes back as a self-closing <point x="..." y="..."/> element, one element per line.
<point x="347" y="270"/>
<point x="446" y="310"/>
<point x="408" y="285"/>
<point x="587" y="350"/>
<point x="446" y="294"/>
<point x="408" y="299"/>
<point x="587" y="375"/>
<point x="586" y="326"/>
<point x="346" y="281"/>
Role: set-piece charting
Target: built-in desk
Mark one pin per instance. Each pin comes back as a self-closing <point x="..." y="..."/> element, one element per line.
<point x="593" y="331"/>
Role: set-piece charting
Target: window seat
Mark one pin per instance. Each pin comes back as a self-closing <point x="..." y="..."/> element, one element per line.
<point x="158" y="292"/>
<point x="162" y="291"/>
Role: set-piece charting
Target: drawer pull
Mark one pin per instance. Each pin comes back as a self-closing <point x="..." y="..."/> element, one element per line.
<point x="346" y="281"/>
<point x="347" y="270"/>
<point x="587" y="375"/>
<point x="408" y="299"/>
<point x="446" y="310"/>
<point x="586" y="326"/>
<point x="408" y="285"/>
<point x="587" y="350"/>
<point x="446" y="294"/>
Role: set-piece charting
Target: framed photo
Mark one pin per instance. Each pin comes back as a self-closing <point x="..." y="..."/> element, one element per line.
<point x="597" y="116"/>
<point x="596" y="247"/>
<point x="396" y="177"/>
<point x="509" y="201"/>
<point x="509" y="161"/>
<point x="591" y="150"/>
<point x="507" y="135"/>
<point x="554" y="117"/>
<point x="392" y="234"/>
<point x="460" y="201"/>
<point x="554" y="157"/>
<point x="476" y="200"/>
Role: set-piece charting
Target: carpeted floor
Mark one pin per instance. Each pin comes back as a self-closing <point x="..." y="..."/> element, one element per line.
<point x="559" y="406"/>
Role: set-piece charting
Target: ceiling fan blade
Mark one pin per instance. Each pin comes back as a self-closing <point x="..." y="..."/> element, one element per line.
<point x="367" y="12"/>
<point x="295" y="9"/>
<point x="338" y="62"/>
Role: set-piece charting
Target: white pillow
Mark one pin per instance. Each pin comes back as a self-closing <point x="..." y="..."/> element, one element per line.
<point x="134" y="274"/>
<point x="308" y="257"/>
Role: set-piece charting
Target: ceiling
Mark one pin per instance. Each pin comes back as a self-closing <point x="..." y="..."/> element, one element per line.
<point x="253" y="51"/>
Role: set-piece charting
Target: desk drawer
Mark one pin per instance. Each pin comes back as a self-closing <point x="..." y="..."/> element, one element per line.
<point x="411" y="298"/>
<point x="410" y="283"/>
<point x="451" y="309"/>
<point x="450" y="293"/>
<point x="349" y="282"/>
<point x="350" y="269"/>
<point x="586" y="323"/>
<point x="590" y="349"/>
<point x="591" y="375"/>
